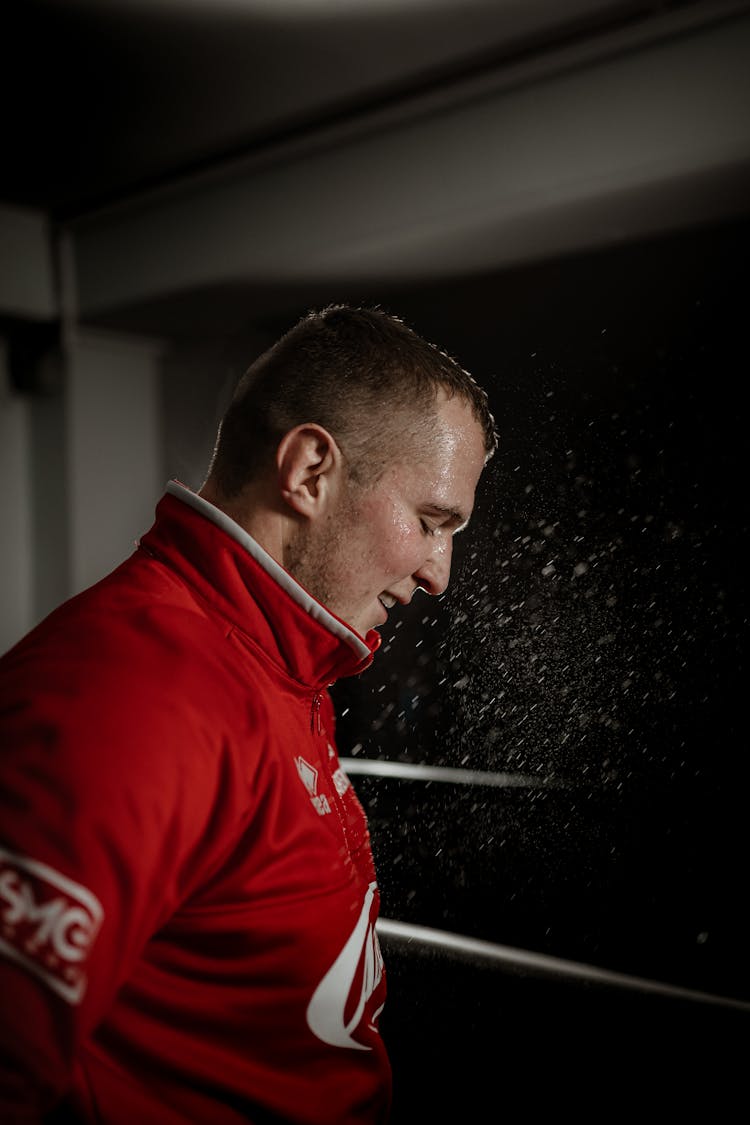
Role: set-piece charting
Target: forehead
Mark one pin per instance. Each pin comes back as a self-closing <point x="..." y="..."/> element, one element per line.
<point x="443" y="466"/>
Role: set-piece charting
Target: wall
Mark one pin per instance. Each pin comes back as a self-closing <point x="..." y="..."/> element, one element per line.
<point x="80" y="436"/>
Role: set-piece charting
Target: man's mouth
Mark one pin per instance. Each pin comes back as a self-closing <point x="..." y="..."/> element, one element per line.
<point x="387" y="601"/>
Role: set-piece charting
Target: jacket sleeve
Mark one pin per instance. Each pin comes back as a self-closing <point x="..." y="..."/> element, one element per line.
<point x="110" y="779"/>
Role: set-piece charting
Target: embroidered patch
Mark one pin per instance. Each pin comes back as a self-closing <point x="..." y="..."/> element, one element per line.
<point x="309" y="778"/>
<point x="340" y="780"/>
<point x="48" y="923"/>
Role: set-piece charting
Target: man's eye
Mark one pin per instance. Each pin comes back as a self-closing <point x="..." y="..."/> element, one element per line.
<point x="426" y="528"/>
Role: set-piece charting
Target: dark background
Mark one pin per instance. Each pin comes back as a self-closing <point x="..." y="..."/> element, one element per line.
<point x="594" y="633"/>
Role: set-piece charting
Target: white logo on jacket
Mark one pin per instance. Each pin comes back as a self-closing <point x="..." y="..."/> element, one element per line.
<point x="309" y="777"/>
<point x="326" y="1010"/>
<point x="48" y="923"/>
<point x="340" y="780"/>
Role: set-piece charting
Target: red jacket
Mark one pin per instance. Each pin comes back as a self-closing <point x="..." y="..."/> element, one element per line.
<point x="187" y="892"/>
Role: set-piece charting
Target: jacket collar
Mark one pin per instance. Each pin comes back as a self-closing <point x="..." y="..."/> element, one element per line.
<point x="231" y="571"/>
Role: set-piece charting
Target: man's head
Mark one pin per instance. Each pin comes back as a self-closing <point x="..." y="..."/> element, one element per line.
<point x="360" y="373"/>
<point x="352" y="450"/>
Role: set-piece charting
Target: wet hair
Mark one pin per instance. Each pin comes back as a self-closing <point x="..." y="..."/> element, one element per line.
<point x="362" y="374"/>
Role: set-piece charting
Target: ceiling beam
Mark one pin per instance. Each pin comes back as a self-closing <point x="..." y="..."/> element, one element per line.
<point x="582" y="153"/>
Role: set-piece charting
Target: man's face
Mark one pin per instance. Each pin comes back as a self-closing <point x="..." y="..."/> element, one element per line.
<point x="382" y="542"/>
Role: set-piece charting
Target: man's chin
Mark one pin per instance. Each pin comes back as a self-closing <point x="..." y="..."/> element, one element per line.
<point x="376" y="618"/>
<point x="364" y="628"/>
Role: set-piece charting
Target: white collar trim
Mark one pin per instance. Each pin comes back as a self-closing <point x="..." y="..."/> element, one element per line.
<point x="298" y="594"/>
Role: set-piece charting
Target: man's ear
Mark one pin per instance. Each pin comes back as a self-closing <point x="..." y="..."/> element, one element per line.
<point x="309" y="464"/>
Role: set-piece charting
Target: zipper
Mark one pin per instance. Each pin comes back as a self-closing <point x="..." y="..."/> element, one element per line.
<point x="315" y="726"/>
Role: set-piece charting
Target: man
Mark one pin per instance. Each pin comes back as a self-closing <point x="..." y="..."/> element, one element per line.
<point x="187" y="891"/>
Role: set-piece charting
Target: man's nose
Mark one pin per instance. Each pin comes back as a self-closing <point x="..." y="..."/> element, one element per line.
<point x="434" y="573"/>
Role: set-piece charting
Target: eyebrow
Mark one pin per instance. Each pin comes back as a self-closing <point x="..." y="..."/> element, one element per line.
<point x="451" y="515"/>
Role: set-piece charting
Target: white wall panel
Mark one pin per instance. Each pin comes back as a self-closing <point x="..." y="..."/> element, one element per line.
<point x="113" y="450"/>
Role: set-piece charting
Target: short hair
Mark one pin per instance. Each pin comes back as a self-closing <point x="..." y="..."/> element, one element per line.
<point x="361" y="373"/>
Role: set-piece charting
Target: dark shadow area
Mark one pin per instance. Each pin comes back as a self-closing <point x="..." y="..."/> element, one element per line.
<point x="594" y="635"/>
<point x="474" y="1044"/>
<point x="628" y="882"/>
